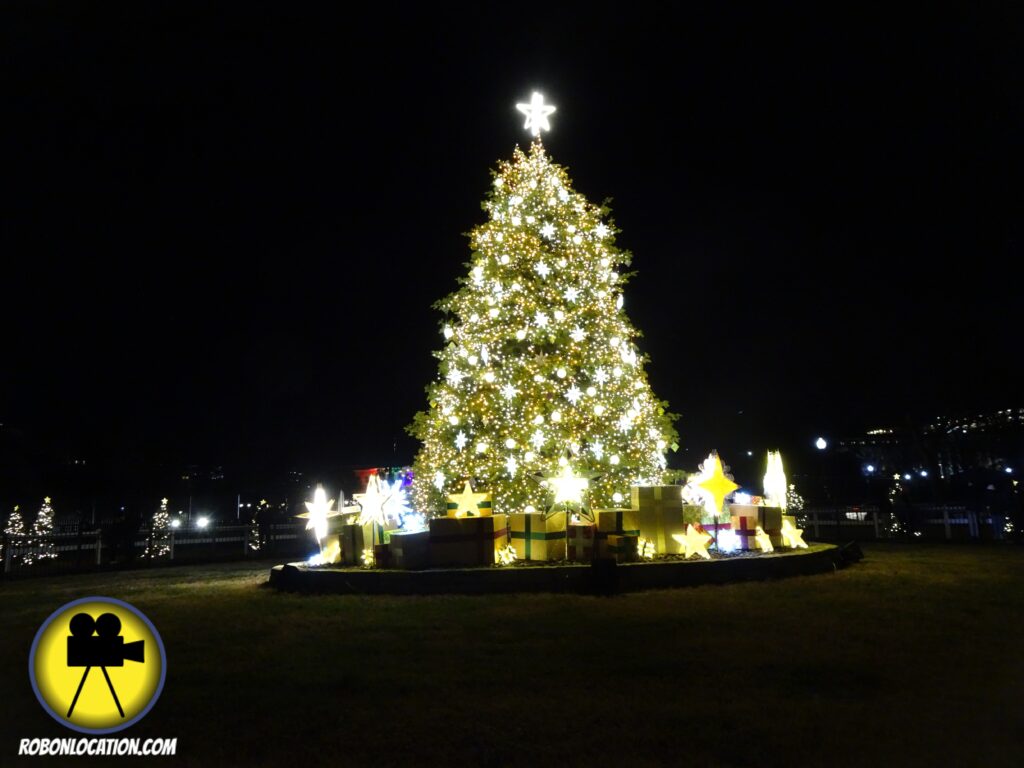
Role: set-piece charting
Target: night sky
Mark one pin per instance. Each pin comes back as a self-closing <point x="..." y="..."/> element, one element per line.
<point x="223" y="230"/>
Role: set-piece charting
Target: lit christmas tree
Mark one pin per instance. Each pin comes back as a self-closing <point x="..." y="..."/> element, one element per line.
<point x="40" y="543"/>
<point x="255" y="530"/>
<point x="14" y="533"/>
<point x="539" y="369"/>
<point x="159" y="543"/>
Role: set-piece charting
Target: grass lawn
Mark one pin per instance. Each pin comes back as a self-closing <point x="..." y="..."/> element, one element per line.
<point x="912" y="657"/>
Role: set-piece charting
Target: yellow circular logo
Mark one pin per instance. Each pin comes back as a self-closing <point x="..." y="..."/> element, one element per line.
<point x="97" y="665"/>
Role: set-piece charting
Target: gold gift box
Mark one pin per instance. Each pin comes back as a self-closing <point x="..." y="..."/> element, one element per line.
<point x="467" y="541"/>
<point x="535" y="537"/>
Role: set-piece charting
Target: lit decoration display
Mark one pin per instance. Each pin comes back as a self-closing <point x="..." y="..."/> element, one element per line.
<point x="158" y="544"/>
<point x="645" y="548"/>
<point x="317" y="512"/>
<point x="40" y="544"/>
<point x="15" y="532"/>
<point x="727" y="540"/>
<point x="775" y="487"/>
<point x="383" y="502"/>
<point x="712" y="485"/>
<point x="794" y="501"/>
<point x="467" y="503"/>
<point x="762" y="540"/>
<point x="791" y="535"/>
<point x="569" y="486"/>
<point x="255" y="530"/>
<point x="538" y="355"/>
<point x="368" y="558"/>
<point x="505" y="556"/>
<point x="694" y="542"/>
<point x="536" y="114"/>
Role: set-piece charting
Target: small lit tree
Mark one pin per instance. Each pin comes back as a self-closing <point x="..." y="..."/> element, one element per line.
<point x="159" y="543"/>
<point x="14" y="534"/>
<point x="255" y="531"/>
<point x="40" y="544"/>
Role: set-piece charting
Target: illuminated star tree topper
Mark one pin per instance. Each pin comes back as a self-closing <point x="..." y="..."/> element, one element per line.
<point x="536" y="114"/>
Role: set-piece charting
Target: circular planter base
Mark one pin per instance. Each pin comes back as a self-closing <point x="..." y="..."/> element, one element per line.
<point x="603" y="577"/>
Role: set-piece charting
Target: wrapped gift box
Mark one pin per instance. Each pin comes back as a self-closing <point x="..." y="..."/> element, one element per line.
<point x="353" y="541"/>
<point x="769" y="518"/>
<point x="659" y="512"/>
<point x="654" y="496"/>
<point x="618" y="547"/>
<point x="381" y="555"/>
<point x="355" y="538"/>
<point x="621" y="521"/>
<point x="410" y="551"/>
<point x="744" y="525"/>
<point x="467" y="541"/>
<point x="537" y="538"/>
<point x="579" y="539"/>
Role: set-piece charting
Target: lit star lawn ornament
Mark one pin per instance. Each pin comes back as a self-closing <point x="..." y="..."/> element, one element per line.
<point x="376" y="504"/>
<point x="792" y="536"/>
<point x="714" y="484"/>
<point x="569" y="488"/>
<point x="317" y="512"/>
<point x="763" y="540"/>
<point x="505" y="556"/>
<point x="536" y="114"/>
<point x="694" y="542"/>
<point x="467" y="503"/>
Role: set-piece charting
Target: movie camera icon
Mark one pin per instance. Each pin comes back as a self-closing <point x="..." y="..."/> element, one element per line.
<point x="106" y="649"/>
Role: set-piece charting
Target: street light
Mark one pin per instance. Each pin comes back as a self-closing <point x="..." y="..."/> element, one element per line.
<point x="869" y="468"/>
<point x="175" y="523"/>
<point x="821" y="444"/>
<point x="203" y="521"/>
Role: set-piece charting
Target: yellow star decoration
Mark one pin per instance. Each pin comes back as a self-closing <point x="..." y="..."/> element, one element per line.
<point x="694" y="542"/>
<point x="569" y="487"/>
<point x="793" y="536"/>
<point x="46" y="500"/>
<point x="715" y="484"/>
<point x="468" y="501"/>
<point x="764" y="542"/>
